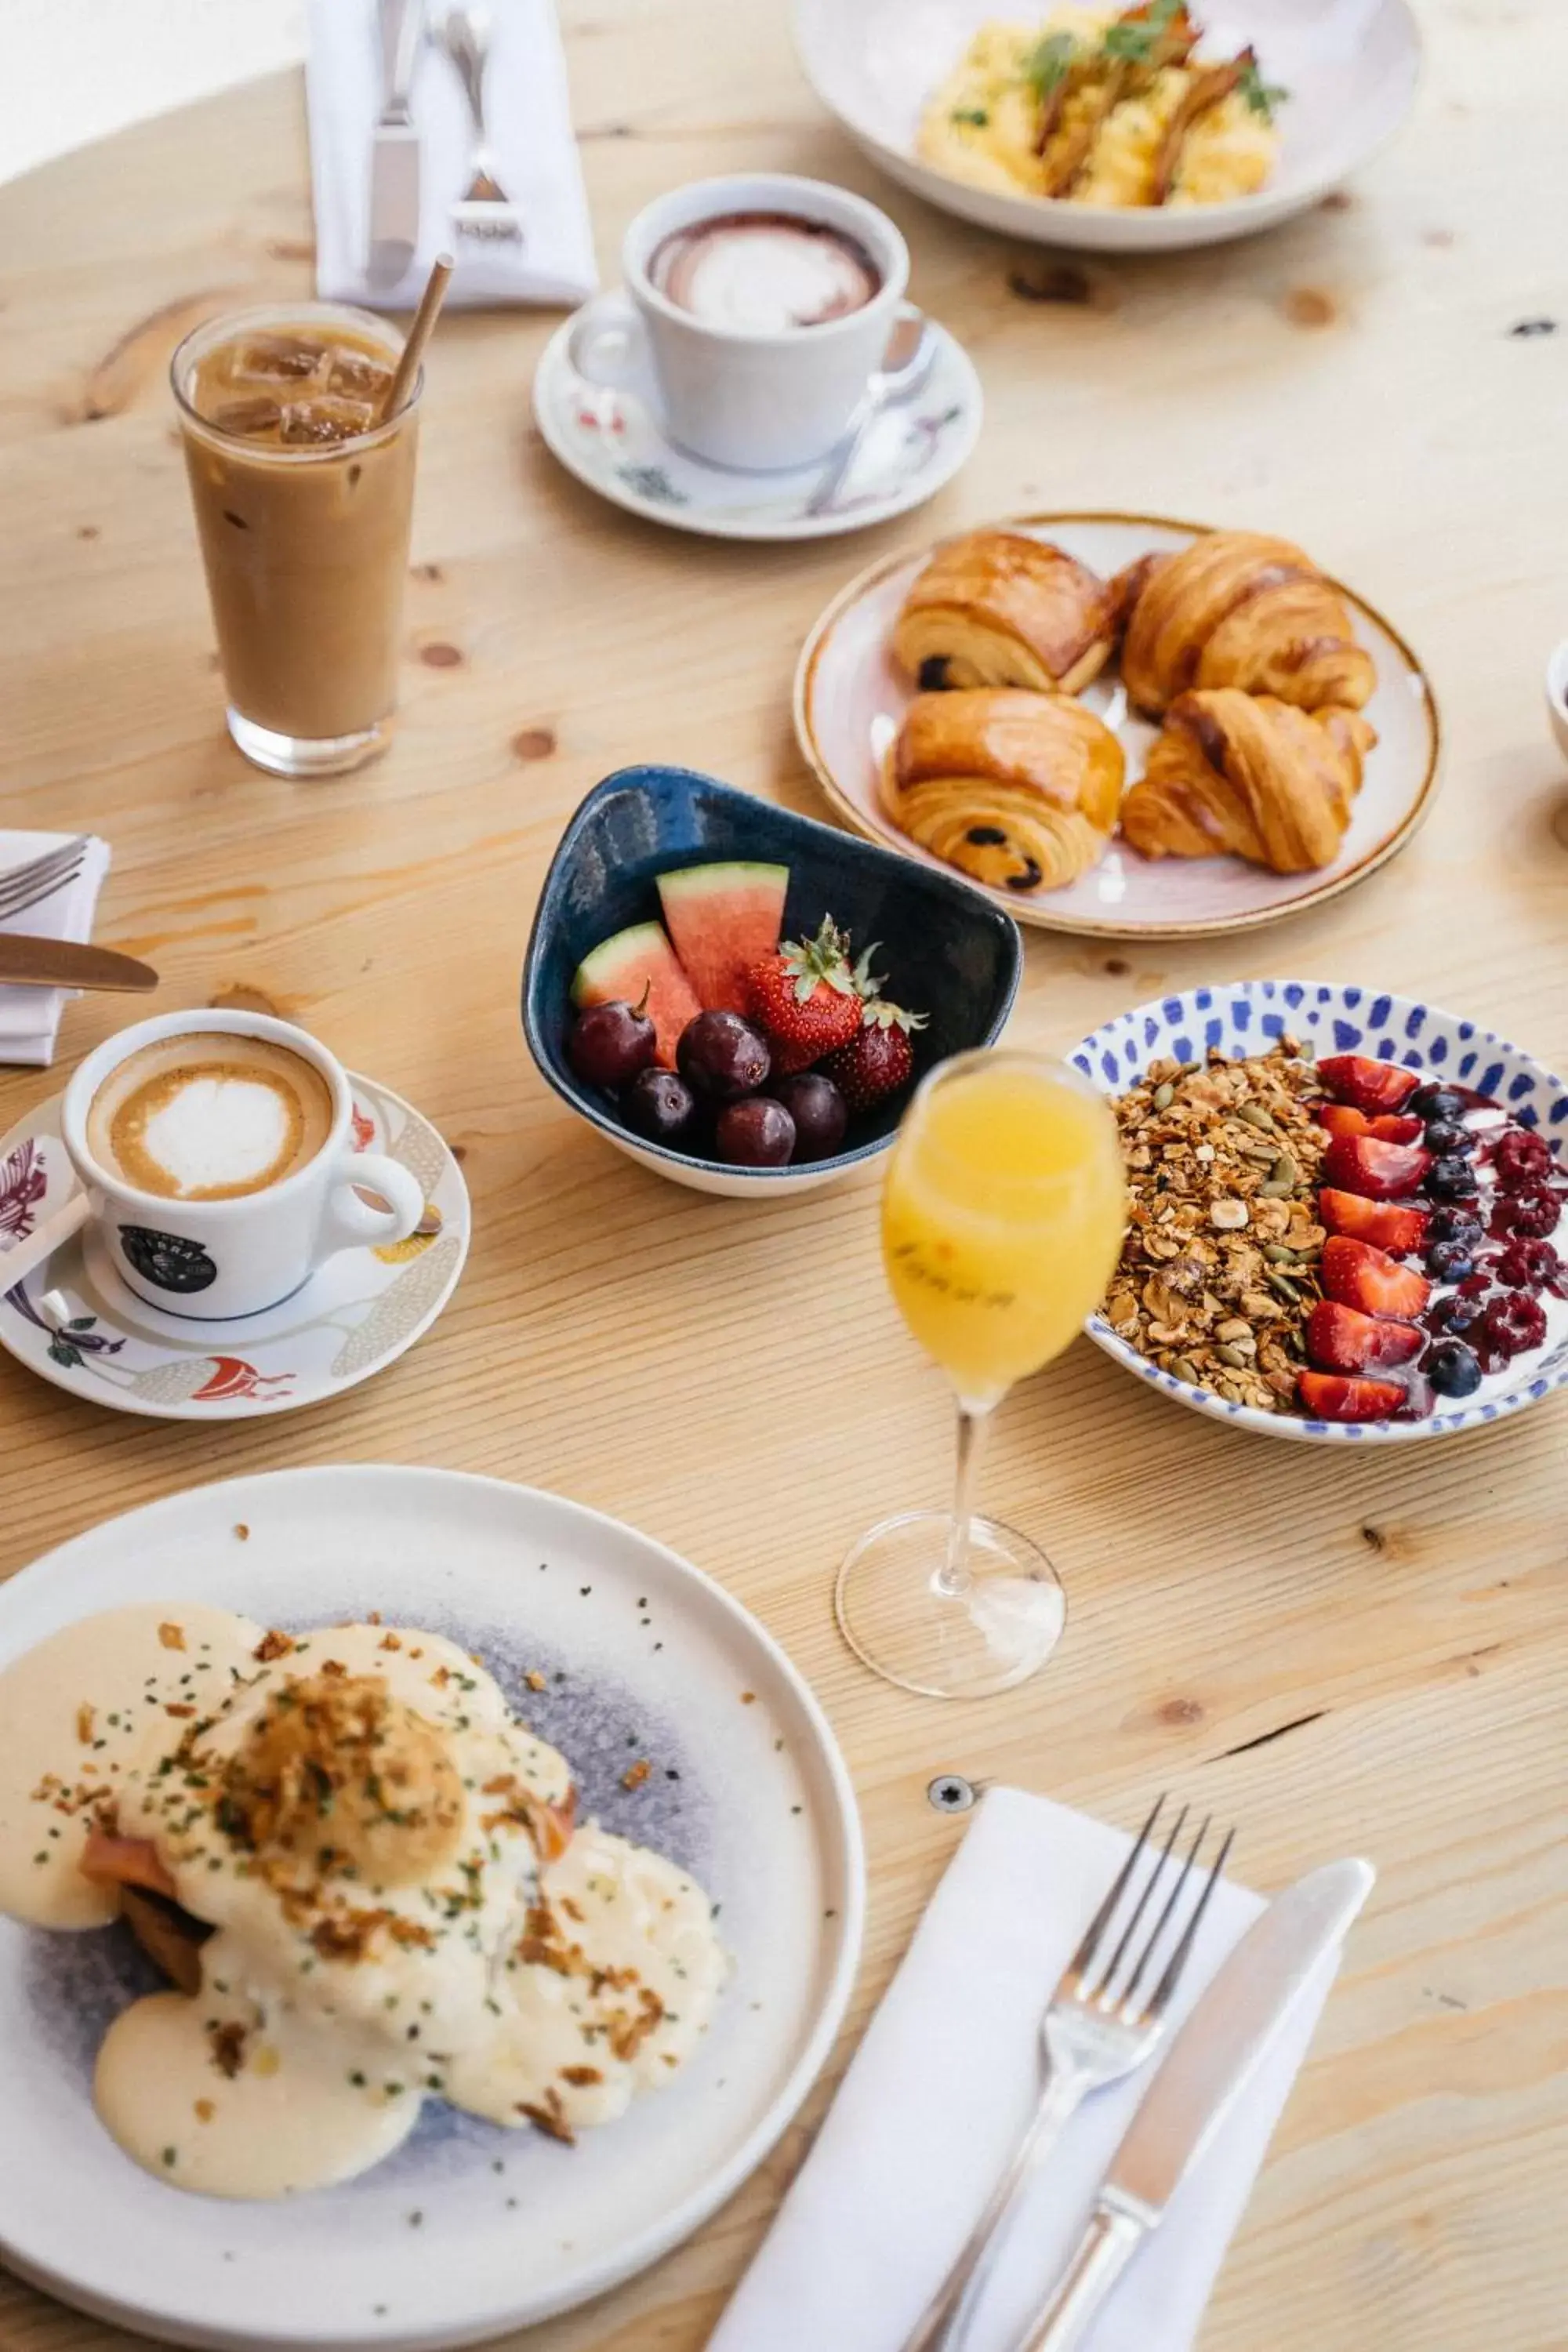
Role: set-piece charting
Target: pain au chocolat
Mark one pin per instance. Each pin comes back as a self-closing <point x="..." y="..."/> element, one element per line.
<point x="1019" y="790"/>
<point x="998" y="608"/>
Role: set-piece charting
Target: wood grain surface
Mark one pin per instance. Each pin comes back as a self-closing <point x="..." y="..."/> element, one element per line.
<point x="1366" y="1654"/>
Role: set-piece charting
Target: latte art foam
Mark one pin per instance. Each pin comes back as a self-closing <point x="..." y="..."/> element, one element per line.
<point x="209" y="1117"/>
<point x="765" y="273"/>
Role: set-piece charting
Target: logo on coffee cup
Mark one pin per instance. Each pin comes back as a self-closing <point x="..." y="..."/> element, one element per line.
<point x="167" y="1260"/>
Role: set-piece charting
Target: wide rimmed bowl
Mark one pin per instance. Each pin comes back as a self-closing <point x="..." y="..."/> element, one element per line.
<point x="1246" y="1017"/>
<point x="1350" y="66"/>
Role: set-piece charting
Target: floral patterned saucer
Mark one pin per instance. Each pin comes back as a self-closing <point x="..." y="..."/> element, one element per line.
<point x="613" y="442"/>
<point x="77" y="1324"/>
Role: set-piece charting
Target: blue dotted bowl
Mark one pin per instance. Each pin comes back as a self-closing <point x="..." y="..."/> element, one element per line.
<point x="1246" y="1018"/>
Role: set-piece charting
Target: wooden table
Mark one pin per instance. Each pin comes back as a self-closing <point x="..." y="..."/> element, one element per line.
<point x="1367" y="1656"/>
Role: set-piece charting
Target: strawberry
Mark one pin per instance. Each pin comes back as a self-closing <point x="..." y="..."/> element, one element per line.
<point x="1327" y="1397"/>
<point x="1344" y="1119"/>
<point x="879" y="1060"/>
<point x="1358" y="1275"/>
<point x="1403" y="1230"/>
<point x="1369" y="1085"/>
<point x="1348" y="1341"/>
<point x="805" y="996"/>
<point x="1382" y="1172"/>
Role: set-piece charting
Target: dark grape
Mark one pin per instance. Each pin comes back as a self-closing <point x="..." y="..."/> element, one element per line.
<point x="723" y="1057"/>
<point x="1452" y="1179"/>
<point x="1453" y="1368"/>
<point x="659" y="1105"/>
<point x="1448" y="1135"/>
<point x="818" y="1111"/>
<point x="1436" y="1102"/>
<point x="755" y="1133"/>
<point x="609" y="1044"/>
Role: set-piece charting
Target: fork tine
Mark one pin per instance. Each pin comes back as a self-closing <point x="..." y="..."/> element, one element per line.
<point x="41" y="874"/>
<point x="1171" y="1976"/>
<point x="1084" y="1956"/>
<point x="18" y="902"/>
<point x="1166" y="1915"/>
<point x="1141" y="1906"/>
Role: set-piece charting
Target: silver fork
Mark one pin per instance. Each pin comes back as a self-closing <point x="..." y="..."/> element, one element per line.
<point x="22" y="886"/>
<point x="1099" y="2026"/>
<point x="484" y="209"/>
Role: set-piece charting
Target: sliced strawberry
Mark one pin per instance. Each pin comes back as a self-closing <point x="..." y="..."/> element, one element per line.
<point x="1379" y="1170"/>
<point x="1359" y="1274"/>
<point x="1369" y="1085"/>
<point x="1346" y="1340"/>
<point x="1344" y="1119"/>
<point x="1403" y="1231"/>
<point x="1328" y="1398"/>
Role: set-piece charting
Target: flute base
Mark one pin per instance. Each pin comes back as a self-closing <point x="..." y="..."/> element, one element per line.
<point x="995" y="1633"/>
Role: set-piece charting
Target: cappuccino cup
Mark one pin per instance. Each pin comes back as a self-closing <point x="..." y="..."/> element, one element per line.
<point x="758" y="308"/>
<point x="216" y="1160"/>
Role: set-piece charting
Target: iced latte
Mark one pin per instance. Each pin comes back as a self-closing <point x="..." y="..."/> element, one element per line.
<point x="302" y="502"/>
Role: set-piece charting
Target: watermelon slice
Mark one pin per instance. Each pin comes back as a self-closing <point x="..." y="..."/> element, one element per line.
<point x="721" y="919"/>
<point x="621" y="968"/>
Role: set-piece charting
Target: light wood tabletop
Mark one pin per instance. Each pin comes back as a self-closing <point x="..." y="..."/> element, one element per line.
<point x="1345" y="1652"/>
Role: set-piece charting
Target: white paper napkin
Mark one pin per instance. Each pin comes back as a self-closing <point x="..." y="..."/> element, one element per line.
<point x="529" y="117"/>
<point x="30" y="1017"/>
<point x="943" y="2082"/>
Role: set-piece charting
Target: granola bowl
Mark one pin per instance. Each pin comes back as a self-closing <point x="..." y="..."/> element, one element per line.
<point x="1348" y="1217"/>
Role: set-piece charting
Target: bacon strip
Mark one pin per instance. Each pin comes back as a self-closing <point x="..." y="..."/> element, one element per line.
<point x="1210" y="87"/>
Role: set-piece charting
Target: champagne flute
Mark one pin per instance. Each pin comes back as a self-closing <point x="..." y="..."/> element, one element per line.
<point x="1003" y="1213"/>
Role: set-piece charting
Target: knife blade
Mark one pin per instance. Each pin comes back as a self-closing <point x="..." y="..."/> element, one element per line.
<point x="394" y="148"/>
<point x="1211" y="2061"/>
<point x="68" y="963"/>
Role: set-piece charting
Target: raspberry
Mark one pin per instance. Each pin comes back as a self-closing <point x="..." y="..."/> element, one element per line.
<point x="1520" y="1158"/>
<point x="1534" y="1213"/>
<point x="1515" y="1323"/>
<point x="1529" y="1265"/>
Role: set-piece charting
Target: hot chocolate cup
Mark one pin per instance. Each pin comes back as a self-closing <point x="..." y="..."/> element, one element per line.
<point x="756" y="401"/>
<point x="216" y="1259"/>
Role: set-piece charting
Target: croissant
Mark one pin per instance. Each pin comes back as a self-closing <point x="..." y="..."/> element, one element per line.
<point x="997" y="608"/>
<point x="1019" y="791"/>
<point x="1250" y="773"/>
<point x="1236" y="608"/>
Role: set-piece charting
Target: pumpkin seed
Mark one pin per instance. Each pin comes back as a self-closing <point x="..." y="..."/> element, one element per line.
<point x="1278" y="1254"/>
<point x="1256" y="1116"/>
<point x="1164" y="1095"/>
<point x="1234" y="1357"/>
<point x="1283" y="1177"/>
<point x="1282" y="1284"/>
<point x="1185" y="1369"/>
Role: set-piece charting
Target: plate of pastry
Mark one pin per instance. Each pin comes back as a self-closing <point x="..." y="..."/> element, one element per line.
<point x="422" y="1902"/>
<point x="1133" y="130"/>
<point x="1121" y="725"/>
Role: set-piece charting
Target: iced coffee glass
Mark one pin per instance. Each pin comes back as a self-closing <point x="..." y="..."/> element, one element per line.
<point x="302" y="505"/>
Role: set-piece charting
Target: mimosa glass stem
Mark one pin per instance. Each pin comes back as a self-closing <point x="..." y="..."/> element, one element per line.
<point x="973" y="1428"/>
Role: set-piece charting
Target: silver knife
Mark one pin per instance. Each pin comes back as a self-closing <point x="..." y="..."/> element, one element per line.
<point x="1210" y="2062"/>
<point x="70" y="963"/>
<point x="395" y="153"/>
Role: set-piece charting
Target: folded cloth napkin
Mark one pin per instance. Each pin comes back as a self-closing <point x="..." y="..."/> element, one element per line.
<point x="528" y="122"/>
<point x="30" y="1017"/>
<point x="939" y="2091"/>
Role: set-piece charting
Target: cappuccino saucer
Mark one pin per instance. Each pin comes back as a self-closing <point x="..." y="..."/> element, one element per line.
<point x="616" y="442"/>
<point x="74" y="1322"/>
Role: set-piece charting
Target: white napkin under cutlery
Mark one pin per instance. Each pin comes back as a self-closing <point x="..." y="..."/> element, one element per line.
<point x="529" y="116"/>
<point x="30" y="1017"/>
<point x="945" y="2082"/>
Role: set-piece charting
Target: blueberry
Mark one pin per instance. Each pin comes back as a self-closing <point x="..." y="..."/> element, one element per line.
<point x="1453" y="1368"/>
<point x="1454" y="1225"/>
<point x="1452" y="1179"/>
<point x="1449" y="1261"/>
<point x="1448" y="1135"/>
<point x="1436" y="1102"/>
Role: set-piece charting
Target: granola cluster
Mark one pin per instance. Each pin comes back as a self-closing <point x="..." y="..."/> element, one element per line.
<point x="1219" y="1270"/>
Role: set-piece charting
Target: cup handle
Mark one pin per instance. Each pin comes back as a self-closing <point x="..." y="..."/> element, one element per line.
<point x="349" y="1222"/>
<point x="913" y="334"/>
<point x="606" y="347"/>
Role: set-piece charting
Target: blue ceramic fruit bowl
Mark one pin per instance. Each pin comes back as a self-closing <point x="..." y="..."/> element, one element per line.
<point x="1247" y="1017"/>
<point x="945" y="951"/>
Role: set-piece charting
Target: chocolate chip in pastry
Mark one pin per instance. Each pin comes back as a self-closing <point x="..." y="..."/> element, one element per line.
<point x="1019" y="790"/>
<point x="998" y="608"/>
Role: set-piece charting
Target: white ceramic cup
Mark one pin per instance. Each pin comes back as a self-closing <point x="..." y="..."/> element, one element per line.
<point x="757" y="402"/>
<point x="213" y="1260"/>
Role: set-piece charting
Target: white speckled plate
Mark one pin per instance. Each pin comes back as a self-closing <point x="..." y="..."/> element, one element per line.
<point x="849" y="701"/>
<point x="76" y="1323"/>
<point x="1350" y="67"/>
<point x="469" y="2230"/>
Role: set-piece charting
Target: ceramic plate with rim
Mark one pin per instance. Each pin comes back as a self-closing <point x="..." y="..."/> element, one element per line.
<point x="1245" y="1017"/>
<point x="1350" y="67"/>
<point x="849" y="699"/>
<point x="469" y="2230"/>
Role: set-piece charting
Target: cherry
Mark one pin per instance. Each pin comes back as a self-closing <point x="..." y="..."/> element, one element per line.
<point x="609" y="1044"/>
